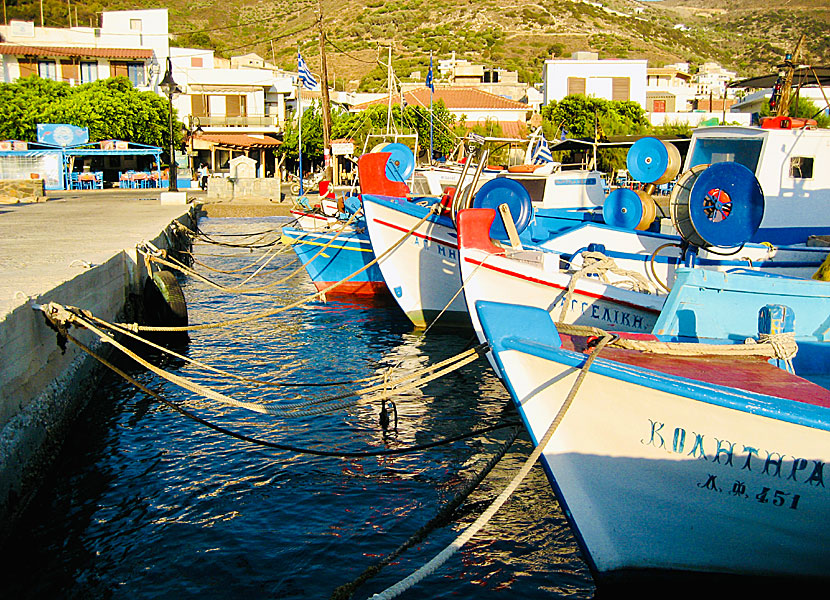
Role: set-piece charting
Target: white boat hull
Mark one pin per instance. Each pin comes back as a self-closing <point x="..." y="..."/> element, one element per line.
<point x="422" y="272"/>
<point x="654" y="480"/>
<point x="540" y="283"/>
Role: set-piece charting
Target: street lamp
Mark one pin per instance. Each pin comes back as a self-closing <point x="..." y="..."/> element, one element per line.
<point x="170" y="89"/>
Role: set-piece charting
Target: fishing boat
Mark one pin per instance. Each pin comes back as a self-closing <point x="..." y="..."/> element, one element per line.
<point x="340" y="254"/>
<point x="598" y="295"/>
<point x="422" y="271"/>
<point x="688" y="452"/>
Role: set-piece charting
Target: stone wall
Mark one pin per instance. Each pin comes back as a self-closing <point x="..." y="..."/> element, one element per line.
<point x="225" y="189"/>
<point x="13" y="191"/>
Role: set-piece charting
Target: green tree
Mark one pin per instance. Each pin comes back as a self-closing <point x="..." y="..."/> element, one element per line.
<point x="110" y="108"/>
<point x="579" y="116"/>
<point x="312" y="132"/>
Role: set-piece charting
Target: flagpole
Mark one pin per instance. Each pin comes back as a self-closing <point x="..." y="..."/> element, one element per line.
<point x="431" y="90"/>
<point x="300" y="121"/>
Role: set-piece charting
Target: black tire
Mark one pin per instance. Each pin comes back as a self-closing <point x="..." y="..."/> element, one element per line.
<point x="166" y="300"/>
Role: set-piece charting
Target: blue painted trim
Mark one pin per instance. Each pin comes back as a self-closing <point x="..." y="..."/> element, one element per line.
<point x="788" y="235"/>
<point x="410" y="207"/>
<point x="772" y="407"/>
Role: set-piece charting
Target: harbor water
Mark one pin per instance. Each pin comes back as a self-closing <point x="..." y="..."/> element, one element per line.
<point x="146" y="503"/>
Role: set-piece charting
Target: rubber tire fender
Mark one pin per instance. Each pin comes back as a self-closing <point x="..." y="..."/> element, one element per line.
<point x="170" y="306"/>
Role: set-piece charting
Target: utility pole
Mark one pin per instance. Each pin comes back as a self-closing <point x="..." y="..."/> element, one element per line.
<point x="790" y="62"/>
<point x="324" y="88"/>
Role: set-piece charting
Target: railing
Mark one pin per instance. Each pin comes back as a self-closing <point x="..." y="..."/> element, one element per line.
<point x="252" y="121"/>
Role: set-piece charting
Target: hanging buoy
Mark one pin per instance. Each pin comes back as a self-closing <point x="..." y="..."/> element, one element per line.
<point x="164" y="302"/>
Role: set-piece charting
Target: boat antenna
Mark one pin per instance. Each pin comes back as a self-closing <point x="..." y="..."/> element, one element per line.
<point x="785" y="82"/>
<point x="324" y="88"/>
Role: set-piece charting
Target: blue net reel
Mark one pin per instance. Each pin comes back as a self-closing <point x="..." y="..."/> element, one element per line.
<point x="401" y="163"/>
<point x="628" y="209"/>
<point x="717" y="205"/>
<point x="505" y="191"/>
<point x="650" y="160"/>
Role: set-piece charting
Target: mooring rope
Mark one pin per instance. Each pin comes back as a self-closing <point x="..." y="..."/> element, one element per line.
<point x="441" y="518"/>
<point x="286" y="447"/>
<point x="63" y="317"/>
<point x="293" y="305"/>
<point x="156" y="255"/>
<point x="488" y="514"/>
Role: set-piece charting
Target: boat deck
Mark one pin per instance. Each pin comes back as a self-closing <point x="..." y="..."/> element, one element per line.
<point x="752" y="374"/>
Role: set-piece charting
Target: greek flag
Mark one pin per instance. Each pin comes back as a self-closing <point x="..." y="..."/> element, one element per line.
<point x="542" y="153"/>
<point x="430" y="82"/>
<point x="306" y="77"/>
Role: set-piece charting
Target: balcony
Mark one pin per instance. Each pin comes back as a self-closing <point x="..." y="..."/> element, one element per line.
<point x="222" y="121"/>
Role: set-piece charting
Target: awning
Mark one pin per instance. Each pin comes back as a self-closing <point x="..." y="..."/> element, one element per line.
<point x="803" y="76"/>
<point x="614" y="141"/>
<point x="237" y="141"/>
<point x="223" y="88"/>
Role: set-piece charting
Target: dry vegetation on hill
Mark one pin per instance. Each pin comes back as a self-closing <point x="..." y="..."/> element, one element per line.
<point x="517" y="35"/>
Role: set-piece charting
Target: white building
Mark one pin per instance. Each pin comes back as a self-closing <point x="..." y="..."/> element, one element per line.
<point x="711" y="78"/>
<point x="584" y="73"/>
<point x="133" y="43"/>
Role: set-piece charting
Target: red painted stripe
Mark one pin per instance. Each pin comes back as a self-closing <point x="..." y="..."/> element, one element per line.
<point x="557" y="286"/>
<point x="416" y="234"/>
<point x="309" y="215"/>
<point x="354" y="288"/>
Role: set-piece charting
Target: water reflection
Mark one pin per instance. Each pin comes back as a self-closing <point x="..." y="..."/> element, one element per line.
<point x="144" y="503"/>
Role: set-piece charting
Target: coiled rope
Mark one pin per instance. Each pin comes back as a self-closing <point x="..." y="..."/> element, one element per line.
<point x="599" y="265"/>
<point x="487" y="515"/>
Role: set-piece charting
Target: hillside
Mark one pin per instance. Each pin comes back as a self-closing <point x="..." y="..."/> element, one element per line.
<point x="517" y="34"/>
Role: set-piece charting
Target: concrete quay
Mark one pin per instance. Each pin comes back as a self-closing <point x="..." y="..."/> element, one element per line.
<point x="76" y="249"/>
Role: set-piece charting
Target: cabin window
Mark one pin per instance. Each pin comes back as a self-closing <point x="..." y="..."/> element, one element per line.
<point x="746" y="151"/>
<point x="801" y="167"/>
<point x="535" y="187"/>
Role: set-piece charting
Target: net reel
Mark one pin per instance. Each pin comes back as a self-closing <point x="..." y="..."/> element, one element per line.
<point x="650" y="161"/>
<point x="401" y="164"/>
<point x="721" y="205"/>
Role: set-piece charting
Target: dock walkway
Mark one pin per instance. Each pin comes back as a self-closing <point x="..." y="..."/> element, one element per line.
<point x="77" y="249"/>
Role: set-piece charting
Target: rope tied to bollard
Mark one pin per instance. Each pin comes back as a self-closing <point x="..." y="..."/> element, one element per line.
<point x="303" y="301"/>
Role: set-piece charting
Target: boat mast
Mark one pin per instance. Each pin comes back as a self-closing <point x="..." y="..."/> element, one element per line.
<point x="389" y="84"/>
<point x="324" y="88"/>
<point x="790" y="62"/>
